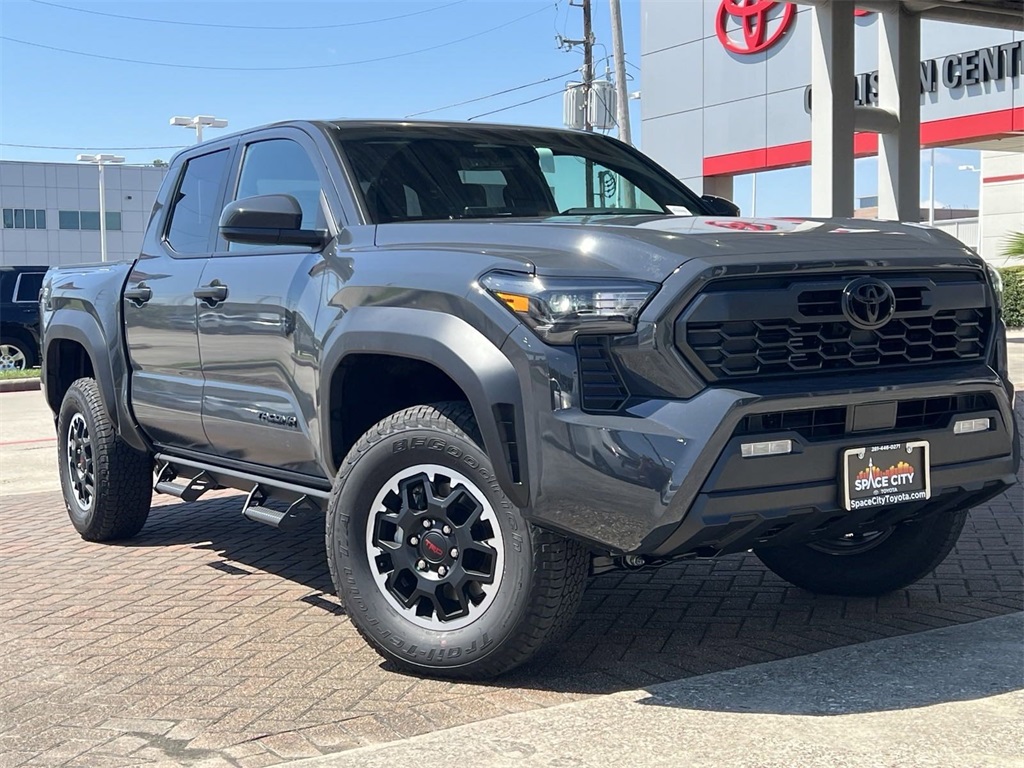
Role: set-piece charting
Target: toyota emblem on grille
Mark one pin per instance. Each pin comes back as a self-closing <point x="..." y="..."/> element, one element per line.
<point x="868" y="303"/>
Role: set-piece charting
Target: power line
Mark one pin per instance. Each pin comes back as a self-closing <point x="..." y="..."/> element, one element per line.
<point x="276" y="69"/>
<point x="492" y="95"/>
<point x="513" y="106"/>
<point x="246" y="26"/>
<point x="112" y="149"/>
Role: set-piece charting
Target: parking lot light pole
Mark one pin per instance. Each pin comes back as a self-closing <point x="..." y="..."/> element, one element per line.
<point x="981" y="194"/>
<point x="100" y="161"/>
<point x="198" y="123"/>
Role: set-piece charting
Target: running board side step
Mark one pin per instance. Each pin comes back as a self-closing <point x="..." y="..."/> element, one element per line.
<point x="226" y="477"/>
<point x="254" y="510"/>
<point x="190" y="491"/>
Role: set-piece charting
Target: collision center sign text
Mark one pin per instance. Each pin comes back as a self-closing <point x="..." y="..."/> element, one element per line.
<point x="958" y="70"/>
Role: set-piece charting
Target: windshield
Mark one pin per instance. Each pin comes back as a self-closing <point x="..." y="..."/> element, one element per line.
<point x="425" y="173"/>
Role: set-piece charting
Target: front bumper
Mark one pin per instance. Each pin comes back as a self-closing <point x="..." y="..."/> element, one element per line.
<point x="665" y="478"/>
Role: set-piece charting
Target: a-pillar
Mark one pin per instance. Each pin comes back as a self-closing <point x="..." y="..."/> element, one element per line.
<point x="832" y="94"/>
<point x="899" y="92"/>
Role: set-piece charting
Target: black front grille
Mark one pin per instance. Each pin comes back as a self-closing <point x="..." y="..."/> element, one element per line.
<point x="811" y="423"/>
<point x="601" y="386"/>
<point x="937" y="412"/>
<point x="828" y="423"/>
<point x="775" y="327"/>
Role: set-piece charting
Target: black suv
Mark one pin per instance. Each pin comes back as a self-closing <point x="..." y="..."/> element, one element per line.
<point x="19" y="316"/>
<point x="500" y="358"/>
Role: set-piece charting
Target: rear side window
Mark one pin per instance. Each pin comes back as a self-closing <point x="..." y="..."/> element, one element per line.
<point x="196" y="204"/>
<point x="28" y="287"/>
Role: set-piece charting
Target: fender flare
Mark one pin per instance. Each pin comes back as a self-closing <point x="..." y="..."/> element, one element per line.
<point x="458" y="349"/>
<point x="108" y="367"/>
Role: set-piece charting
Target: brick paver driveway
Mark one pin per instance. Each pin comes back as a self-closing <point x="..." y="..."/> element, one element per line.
<point x="209" y="640"/>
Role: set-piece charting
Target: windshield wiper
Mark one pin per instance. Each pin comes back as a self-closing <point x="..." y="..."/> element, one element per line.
<point x="610" y="212"/>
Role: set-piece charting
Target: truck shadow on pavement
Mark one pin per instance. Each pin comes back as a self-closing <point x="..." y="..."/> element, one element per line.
<point x="639" y="629"/>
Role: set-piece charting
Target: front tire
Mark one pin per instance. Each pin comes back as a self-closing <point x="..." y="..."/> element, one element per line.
<point x="437" y="569"/>
<point x="106" y="482"/>
<point x="869" y="564"/>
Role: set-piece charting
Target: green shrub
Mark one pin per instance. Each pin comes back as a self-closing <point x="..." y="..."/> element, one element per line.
<point x="1013" y="296"/>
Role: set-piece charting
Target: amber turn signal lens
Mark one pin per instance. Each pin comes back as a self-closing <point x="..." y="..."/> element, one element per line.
<point x="515" y="302"/>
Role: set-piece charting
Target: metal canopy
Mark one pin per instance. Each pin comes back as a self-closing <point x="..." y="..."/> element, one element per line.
<point x="1005" y="14"/>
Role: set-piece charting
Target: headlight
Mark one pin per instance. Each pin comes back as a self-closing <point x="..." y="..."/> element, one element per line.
<point x="559" y="308"/>
<point x="996" y="281"/>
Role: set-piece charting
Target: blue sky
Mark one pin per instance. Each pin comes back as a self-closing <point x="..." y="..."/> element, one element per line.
<point x="52" y="98"/>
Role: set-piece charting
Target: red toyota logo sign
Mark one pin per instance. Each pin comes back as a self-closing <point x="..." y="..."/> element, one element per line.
<point x="760" y="24"/>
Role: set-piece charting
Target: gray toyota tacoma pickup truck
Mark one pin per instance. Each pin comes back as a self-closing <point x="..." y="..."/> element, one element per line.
<point x="499" y="359"/>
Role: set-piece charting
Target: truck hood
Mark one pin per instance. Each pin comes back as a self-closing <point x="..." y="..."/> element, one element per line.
<point x="652" y="247"/>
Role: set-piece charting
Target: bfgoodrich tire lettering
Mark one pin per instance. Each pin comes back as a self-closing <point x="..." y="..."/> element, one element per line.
<point x="885" y="561"/>
<point x="542" y="574"/>
<point x="106" y="482"/>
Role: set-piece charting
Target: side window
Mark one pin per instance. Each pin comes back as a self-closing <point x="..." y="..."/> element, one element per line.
<point x="195" y="206"/>
<point x="280" y="167"/>
<point x="29" y="285"/>
<point x="567" y="178"/>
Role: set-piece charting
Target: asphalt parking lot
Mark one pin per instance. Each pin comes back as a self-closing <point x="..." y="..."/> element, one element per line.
<point x="212" y="641"/>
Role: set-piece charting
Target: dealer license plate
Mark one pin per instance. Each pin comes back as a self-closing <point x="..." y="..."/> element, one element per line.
<point x="883" y="475"/>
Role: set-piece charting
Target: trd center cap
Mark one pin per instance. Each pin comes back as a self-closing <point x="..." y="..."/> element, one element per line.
<point x="433" y="547"/>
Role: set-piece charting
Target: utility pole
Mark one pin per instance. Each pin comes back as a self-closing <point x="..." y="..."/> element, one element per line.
<point x="619" y="57"/>
<point x="588" y="64"/>
<point x="588" y="81"/>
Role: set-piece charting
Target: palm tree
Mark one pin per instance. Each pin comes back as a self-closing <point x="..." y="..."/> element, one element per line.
<point x="1014" y="246"/>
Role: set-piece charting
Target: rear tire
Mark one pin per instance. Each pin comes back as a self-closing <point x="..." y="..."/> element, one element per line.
<point x="437" y="569"/>
<point x="106" y="483"/>
<point x="889" y="560"/>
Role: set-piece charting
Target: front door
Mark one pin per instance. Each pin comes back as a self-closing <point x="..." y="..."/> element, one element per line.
<point x="256" y="327"/>
<point x="160" y="308"/>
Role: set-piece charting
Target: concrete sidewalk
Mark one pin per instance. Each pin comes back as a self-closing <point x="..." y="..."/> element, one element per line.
<point x="941" y="698"/>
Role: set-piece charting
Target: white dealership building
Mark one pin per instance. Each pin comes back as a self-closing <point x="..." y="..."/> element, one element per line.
<point x="727" y="91"/>
<point x="51" y="211"/>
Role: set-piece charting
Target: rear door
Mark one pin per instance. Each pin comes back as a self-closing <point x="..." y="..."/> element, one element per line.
<point x="257" y="347"/>
<point x="160" y="308"/>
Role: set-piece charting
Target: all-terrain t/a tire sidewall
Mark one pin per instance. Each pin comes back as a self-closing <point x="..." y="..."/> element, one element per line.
<point x="392" y="633"/>
<point x="122" y="492"/>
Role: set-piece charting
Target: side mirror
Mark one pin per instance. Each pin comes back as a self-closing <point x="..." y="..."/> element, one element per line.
<point x="268" y="220"/>
<point x="720" y="206"/>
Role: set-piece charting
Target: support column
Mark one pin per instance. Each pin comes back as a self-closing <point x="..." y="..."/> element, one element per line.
<point x="718" y="185"/>
<point x="832" y="94"/>
<point x="899" y="92"/>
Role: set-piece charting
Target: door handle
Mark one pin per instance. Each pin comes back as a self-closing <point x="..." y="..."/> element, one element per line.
<point x="139" y="295"/>
<point x="211" y="294"/>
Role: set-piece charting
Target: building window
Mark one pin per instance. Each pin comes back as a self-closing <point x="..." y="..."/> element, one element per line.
<point x="87" y="220"/>
<point x="24" y="218"/>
